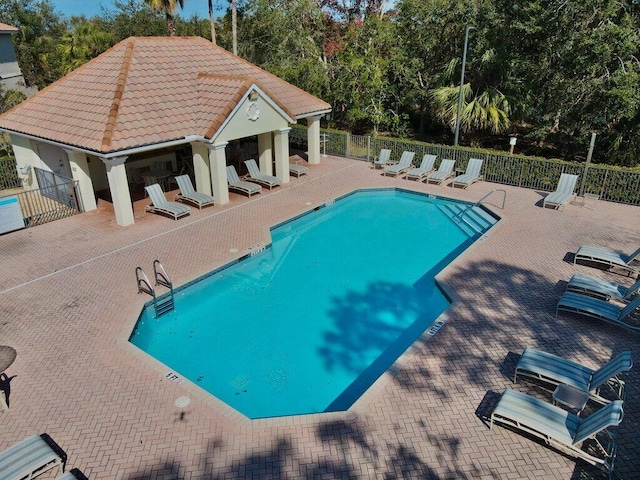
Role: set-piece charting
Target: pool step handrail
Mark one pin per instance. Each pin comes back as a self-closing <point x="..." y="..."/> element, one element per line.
<point x="458" y="216"/>
<point x="144" y="286"/>
<point x="164" y="304"/>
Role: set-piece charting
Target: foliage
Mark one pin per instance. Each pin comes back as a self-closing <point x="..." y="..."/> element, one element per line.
<point x="168" y="8"/>
<point x="84" y="41"/>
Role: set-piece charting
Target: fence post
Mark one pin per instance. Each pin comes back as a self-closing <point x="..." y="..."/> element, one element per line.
<point x="586" y="165"/>
<point x="368" y="148"/>
<point x="348" y="145"/>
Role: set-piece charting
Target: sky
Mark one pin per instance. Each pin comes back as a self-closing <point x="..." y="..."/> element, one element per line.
<point x="90" y="8"/>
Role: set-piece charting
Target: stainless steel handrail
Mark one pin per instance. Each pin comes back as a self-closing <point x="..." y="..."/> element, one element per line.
<point x="504" y="200"/>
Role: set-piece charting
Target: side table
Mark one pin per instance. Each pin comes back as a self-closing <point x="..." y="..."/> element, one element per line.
<point x="571" y="397"/>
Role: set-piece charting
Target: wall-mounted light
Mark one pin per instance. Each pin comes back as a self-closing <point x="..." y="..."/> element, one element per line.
<point x="24" y="170"/>
<point x="253" y="95"/>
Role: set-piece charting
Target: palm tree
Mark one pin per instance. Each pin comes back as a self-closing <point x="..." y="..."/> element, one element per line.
<point x="168" y="7"/>
<point x="212" y="22"/>
<point x="234" y="26"/>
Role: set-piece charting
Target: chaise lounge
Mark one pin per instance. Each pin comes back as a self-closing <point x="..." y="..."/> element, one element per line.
<point x="402" y="166"/>
<point x="593" y="307"/>
<point x="445" y="170"/>
<point x="159" y="203"/>
<point x="382" y="160"/>
<point x="560" y="428"/>
<point x="564" y="192"/>
<point x="256" y="176"/>
<point x="189" y="194"/>
<point x="29" y="458"/>
<point x="425" y="168"/>
<point x="239" y="185"/>
<point x="608" y="258"/>
<point x="602" y="289"/>
<point x="548" y="368"/>
<point x="471" y="175"/>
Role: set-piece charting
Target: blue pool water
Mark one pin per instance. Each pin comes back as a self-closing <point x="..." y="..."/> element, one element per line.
<point x="307" y="325"/>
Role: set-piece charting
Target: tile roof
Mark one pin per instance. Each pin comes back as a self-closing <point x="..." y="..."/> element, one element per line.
<point x="147" y="90"/>
<point x="4" y="28"/>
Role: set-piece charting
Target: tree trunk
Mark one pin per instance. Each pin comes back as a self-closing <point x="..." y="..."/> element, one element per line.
<point x="212" y="21"/>
<point x="234" y="25"/>
<point x="170" y="25"/>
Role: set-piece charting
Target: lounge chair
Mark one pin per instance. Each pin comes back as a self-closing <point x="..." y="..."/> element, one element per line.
<point x="560" y="428"/>
<point x="298" y="170"/>
<point x="425" y="168"/>
<point x="471" y="175"/>
<point x="239" y="185"/>
<point x="383" y="159"/>
<point x="602" y="289"/>
<point x="593" y="307"/>
<point x="402" y="166"/>
<point x="444" y="171"/>
<point x="608" y="258"/>
<point x="159" y="203"/>
<point x="189" y="194"/>
<point x="564" y="192"/>
<point x="548" y="368"/>
<point x="256" y="176"/>
<point x="28" y="459"/>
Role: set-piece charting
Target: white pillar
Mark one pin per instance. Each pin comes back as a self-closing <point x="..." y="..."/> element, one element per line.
<point x="281" y="146"/>
<point x="80" y="173"/>
<point x="265" y="150"/>
<point x="313" y="139"/>
<point x="120" y="196"/>
<point x="201" y="167"/>
<point x="218" y="164"/>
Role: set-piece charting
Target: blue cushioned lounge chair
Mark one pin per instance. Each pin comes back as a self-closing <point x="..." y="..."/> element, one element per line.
<point x="383" y="159"/>
<point x="402" y="166"/>
<point x="189" y="194"/>
<point x="425" y="168"/>
<point x="602" y="289"/>
<point x="28" y="459"/>
<point x="608" y="258"/>
<point x="564" y="192"/>
<point x="548" y="368"/>
<point x="239" y="185"/>
<point x="471" y="175"/>
<point x="445" y="170"/>
<point x="593" y="307"/>
<point x="560" y="428"/>
<point x="258" y="177"/>
<point x="160" y="204"/>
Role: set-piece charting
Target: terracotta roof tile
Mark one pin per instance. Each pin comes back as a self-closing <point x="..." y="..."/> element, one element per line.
<point x="147" y="90"/>
<point x="5" y="28"/>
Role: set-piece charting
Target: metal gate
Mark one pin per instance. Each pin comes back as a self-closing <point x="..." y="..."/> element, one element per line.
<point x="56" y="198"/>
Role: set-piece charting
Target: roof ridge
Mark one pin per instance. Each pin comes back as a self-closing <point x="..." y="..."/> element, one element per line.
<point x="117" y="97"/>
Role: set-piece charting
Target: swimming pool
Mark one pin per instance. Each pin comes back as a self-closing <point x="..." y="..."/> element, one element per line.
<point x="310" y="322"/>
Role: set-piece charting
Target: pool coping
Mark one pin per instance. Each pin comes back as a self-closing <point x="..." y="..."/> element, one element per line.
<point x="359" y="407"/>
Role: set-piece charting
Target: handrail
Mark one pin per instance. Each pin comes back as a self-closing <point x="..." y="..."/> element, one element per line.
<point x="144" y="286"/>
<point x="161" y="276"/>
<point x="504" y="200"/>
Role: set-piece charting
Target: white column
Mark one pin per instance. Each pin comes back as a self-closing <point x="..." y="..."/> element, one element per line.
<point x="120" y="196"/>
<point x="281" y="146"/>
<point x="265" y="150"/>
<point x="80" y="173"/>
<point x="218" y="164"/>
<point x="201" y="167"/>
<point x="313" y="139"/>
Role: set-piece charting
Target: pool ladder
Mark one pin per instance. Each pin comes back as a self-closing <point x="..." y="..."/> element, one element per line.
<point x="163" y="304"/>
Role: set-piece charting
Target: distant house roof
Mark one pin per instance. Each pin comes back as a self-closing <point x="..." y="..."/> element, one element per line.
<point x="4" y="28"/>
<point x="148" y="90"/>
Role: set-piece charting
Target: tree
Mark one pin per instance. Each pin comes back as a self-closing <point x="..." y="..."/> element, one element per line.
<point x="169" y="8"/>
<point x="132" y="18"/>
<point x="212" y="22"/>
<point x="85" y="40"/>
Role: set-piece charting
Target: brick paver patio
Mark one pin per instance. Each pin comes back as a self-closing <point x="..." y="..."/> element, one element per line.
<point x="68" y="303"/>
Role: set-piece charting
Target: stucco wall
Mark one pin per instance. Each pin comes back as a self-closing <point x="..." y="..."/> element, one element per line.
<point x="241" y="124"/>
<point x="26" y="159"/>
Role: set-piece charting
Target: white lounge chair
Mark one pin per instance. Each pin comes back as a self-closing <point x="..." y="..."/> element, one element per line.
<point x="549" y="368"/>
<point x="402" y="166"/>
<point x="297" y="169"/>
<point x="608" y="258"/>
<point x="445" y="170"/>
<point x="189" y="194"/>
<point x="602" y="289"/>
<point x="239" y="185"/>
<point x="382" y="160"/>
<point x="560" y="428"/>
<point x="564" y="192"/>
<point x="593" y="307"/>
<point x="28" y="459"/>
<point x="159" y="203"/>
<point x="471" y="175"/>
<point x="425" y="168"/>
<point x="256" y="176"/>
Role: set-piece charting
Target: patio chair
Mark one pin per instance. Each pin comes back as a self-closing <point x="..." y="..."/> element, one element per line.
<point x="548" y="368"/>
<point x="445" y="170"/>
<point x="296" y="168"/>
<point x="564" y="192"/>
<point x="383" y="159"/>
<point x="189" y="194"/>
<point x="593" y="307"/>
<point x="471" y="175"/>
<point x="562" y="429"/>
<point x="256" y="176"/>
<point x="148" y="180"/>
<point x="602" y="289"/>
<point x="402" y="166"/>
<point x="28" y="459"/>
<point x="608" y="258"/>
<point x="425" y="168"/>
<point x="239" y="185"/>
<point x="159" y="203"/>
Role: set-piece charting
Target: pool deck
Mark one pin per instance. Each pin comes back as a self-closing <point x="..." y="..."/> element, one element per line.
<point x="68" y="302"/>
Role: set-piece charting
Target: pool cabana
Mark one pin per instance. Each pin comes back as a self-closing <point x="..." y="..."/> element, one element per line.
<point x="146" y="98"/>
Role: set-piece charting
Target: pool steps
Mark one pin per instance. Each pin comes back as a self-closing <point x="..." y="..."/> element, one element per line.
<point x="473" y="221"/>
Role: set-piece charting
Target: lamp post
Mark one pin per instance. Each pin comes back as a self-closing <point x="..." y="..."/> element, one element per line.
<point x="464" y="61"/>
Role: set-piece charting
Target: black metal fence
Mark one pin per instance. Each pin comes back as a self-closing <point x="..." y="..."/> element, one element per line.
<point x="610" y="183"/>
<point x="9" y="174"/>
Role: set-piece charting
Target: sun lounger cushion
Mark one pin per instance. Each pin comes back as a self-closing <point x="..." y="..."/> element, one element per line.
<point x="239" y="185"/>
<point x="425" y="168"/>
<point x="563" y="192"/>
<point x="298" y="170"/>
<point x="189" y="194"/>
<point x="471" y="175"/>
<point x="594" y="307"/>
<point x="587" y="253"/>
<point x="28" y="458"/>
<point x="600" y="288"/>
<point x="256" y="176"/>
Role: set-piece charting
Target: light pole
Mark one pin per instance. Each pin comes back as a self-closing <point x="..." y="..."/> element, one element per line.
<point x="464" y="61"/>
